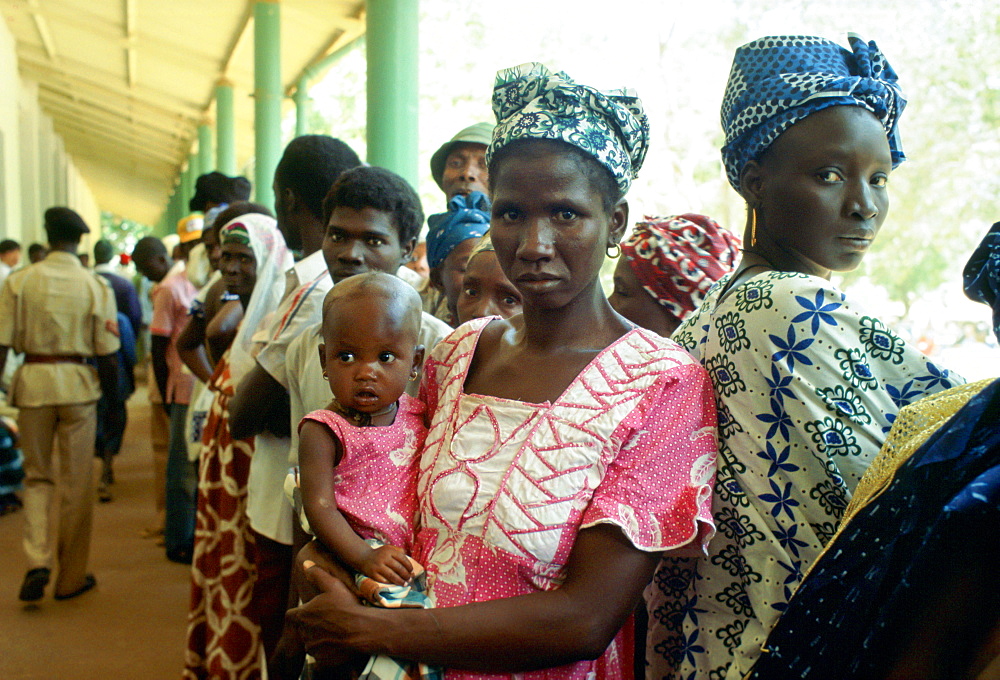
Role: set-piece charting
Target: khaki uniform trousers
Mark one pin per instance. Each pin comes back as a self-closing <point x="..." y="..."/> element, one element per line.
<point x="67" y="466"/>
<point x="160" y="430"/>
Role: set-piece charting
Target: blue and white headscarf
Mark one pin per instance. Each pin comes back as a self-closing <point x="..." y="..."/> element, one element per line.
<point x="982" y="274"/>
<point x="531" y="102"/>
<point x="779" y="80"/>
<point x="467" y="217"/>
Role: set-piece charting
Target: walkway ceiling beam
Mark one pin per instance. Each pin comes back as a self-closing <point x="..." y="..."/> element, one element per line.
<point x="163" y="145"/>
<point x="73" y="73"/>
<point x="81" y="132"/>
<point x="236" y="41"/>
<point x="95" y="151"/>
<point x="128" y="82"/>
<point x="151" y="44"/>
<point x="124" y="145"/>
<point x="41" y="24"/>
<point x="130" y="55"/>
<point x="162" y="124"/>
<point x="350" y="29"/>
<point x="95" y="109"/>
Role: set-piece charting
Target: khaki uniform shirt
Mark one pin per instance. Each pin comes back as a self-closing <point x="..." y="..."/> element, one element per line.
<point x="56" y="307"/>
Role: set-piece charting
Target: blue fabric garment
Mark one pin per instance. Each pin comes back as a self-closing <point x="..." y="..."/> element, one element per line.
<point x="11" y="460"/>
<point x="467" y="217"/>
<point x="922" y="555"/>
<point x="982" y="274"/>
<point x="779" y="80"/>
<point x="532" y="102"/>
<point x="112" y="414"/>
<point x="181" y="491"/>
<point x="807" y="384"/>
<point x="126" y="298"/>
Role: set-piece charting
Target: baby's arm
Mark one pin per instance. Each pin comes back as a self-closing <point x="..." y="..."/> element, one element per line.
<point x="319" y="452"/>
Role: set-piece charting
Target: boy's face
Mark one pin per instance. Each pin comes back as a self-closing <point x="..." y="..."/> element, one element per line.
<point x="486" y="291"/>
<point x="359" y="241"/>
<point x="11" y="257"/>
<point x="368" y="356"/>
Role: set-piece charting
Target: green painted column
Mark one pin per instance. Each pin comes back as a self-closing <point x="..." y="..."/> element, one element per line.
<point x="172" y="210"/>
<point x="225" y="128"/>
<point x="391" y="30"/>
<point x="302" y="107"/>
<point x="190" y="175"/>
<point x="267" y="96"/>
<point x="161" y="224"/>
<point x="206" y="155"/>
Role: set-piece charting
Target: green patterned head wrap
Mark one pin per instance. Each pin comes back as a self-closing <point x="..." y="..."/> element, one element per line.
<point x="531" y="102"/>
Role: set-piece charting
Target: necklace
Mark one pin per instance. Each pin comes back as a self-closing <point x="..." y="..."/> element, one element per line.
<point x="360" y="418"/>
<point x="736" y="275"/>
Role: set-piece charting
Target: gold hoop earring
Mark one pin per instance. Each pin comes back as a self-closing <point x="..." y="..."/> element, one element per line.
<point x="614" y="250"/>
<point x="325" y="376"/>
<point x="753" y="226"/>
<point x="413" y="375"/>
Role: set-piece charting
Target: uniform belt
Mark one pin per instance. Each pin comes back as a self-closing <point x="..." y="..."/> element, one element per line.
<point x="53" y="359"/>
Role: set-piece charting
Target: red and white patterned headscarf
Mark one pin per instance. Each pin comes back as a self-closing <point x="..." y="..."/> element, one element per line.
<point x="677" y="259"/>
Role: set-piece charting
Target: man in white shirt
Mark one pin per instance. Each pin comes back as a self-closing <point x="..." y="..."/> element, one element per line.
<point x="308" y="168"/>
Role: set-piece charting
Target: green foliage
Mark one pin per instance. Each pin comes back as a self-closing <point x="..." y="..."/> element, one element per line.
<point x="123" y="233"/>
<point x="678" y="58"/>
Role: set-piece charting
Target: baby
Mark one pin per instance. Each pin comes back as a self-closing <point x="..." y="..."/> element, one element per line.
<point x="357" y="458"/>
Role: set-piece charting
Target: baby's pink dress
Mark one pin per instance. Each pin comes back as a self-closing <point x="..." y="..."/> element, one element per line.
<point x="375" y="482"/>
<point x="505" y="486"/>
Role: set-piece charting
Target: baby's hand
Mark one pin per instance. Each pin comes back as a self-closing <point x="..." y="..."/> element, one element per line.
<point x="387" y="564"/>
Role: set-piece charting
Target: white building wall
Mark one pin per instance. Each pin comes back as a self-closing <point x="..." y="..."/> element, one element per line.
<point x="35" y="170"/>
<point x="31" y="205"/>
<point x="10" y="186"/>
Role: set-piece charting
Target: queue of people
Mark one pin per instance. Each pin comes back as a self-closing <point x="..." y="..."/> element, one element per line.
<point x="501" y="471"/>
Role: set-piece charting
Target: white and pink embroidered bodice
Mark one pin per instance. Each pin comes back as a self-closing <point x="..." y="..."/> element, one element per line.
<point x="505" y="486"/>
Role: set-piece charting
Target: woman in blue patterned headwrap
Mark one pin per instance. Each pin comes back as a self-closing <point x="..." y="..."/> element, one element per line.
<point x="924" y="602"/>
<point x="566" y="448"/>
<point x="807" y="383"/>
<point x="451" y="236"/>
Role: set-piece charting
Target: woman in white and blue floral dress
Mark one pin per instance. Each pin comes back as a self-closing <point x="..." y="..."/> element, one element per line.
<point x="806" y="381"/>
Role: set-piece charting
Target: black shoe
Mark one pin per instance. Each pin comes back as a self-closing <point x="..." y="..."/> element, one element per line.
<point x="9" y="503"/>
<point x="88" y="583"/>
<point x="34" y="584"/>
<point x="179" y="555"/>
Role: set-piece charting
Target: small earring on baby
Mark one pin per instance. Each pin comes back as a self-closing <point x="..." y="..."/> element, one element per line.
<point x="325" y="376"/>
<point x="413" y="375"/>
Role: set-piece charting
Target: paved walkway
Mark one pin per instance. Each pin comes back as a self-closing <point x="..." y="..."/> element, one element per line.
<point x="133" y="624"/>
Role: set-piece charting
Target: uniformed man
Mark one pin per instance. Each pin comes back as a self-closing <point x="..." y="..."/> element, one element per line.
<point x="59" y="315"/>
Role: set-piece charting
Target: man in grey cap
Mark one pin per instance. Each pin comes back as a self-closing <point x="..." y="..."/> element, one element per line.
<point x="459" y="165"/>
<point x="60" y="316"/>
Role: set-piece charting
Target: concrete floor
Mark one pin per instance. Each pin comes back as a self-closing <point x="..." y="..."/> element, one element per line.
<point x="132" y="625"/>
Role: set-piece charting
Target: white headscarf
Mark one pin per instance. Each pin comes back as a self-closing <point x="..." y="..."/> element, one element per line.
<point x="261" y="233"/>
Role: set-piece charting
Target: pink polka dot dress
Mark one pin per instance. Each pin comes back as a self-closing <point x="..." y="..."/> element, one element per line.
<point x="505" y="486"/>
<point x="375" y="482"/>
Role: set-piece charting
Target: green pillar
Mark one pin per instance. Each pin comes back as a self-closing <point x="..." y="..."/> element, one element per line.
<point x="172" y="210"/>
<point x="190" y="175"/>
<point x="267" y="96"/>
<point x="225" y="128"/>
<point x="301" y="107"/>
<point x="161" y="225"/>
<point x="392" y="86"/>
<point x="178" y="199"/>
<point x="206" y="157"/>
